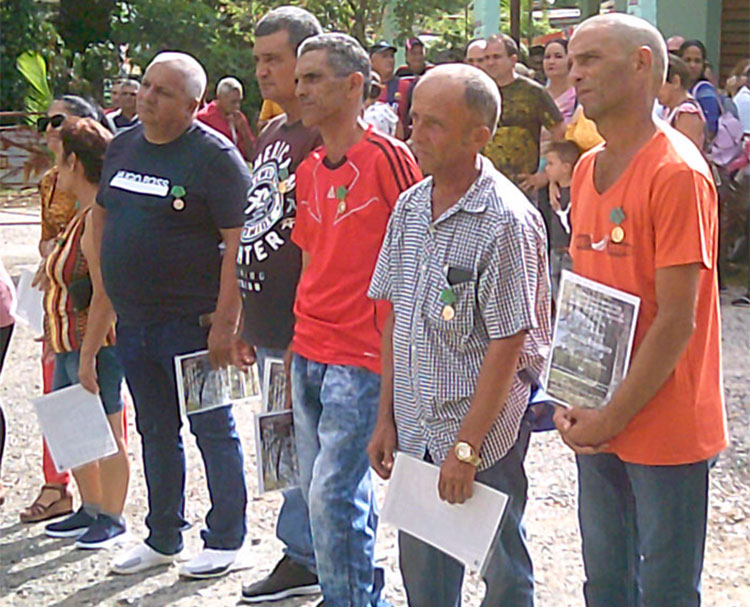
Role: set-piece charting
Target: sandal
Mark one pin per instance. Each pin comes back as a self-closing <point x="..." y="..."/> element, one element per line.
<point x="42" y="511"/>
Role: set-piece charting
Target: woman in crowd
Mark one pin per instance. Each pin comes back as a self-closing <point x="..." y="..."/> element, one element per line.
<point x="57" y="208"/>
<point x="693" y="53"/>
<point x="556" y="68"/>
<point x="7" y="304"/>
<point x="683" y="111"/>
<point x="79" y="324"/>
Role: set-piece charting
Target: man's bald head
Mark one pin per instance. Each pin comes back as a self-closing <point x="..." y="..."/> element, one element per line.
<point x="189" y="67"/>
<point x="480" y="94"/>
<point x="632" y="33"/>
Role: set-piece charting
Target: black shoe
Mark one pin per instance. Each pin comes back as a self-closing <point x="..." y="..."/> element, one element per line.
<point x="742" y="302"/>
<point x="287" y="579"/>
<point x="103" y="533"/>
<point x="74" y="525"/>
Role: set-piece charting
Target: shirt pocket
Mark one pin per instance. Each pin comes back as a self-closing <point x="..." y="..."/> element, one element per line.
<point x="456" y="331"/>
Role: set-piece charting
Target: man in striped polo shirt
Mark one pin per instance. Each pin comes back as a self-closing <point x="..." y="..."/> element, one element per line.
<point x="464" y="265"/>
<point x="346" y="191"/>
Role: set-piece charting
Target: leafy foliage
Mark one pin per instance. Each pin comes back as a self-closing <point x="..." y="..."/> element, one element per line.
<point x="34" y="70"/>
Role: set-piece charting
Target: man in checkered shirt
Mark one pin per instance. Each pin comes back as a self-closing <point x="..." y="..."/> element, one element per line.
<point x="464" y="265"/>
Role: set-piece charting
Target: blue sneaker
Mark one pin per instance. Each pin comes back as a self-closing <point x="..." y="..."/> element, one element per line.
<point x="103" y="533"/>
<point x="71" y="526"/>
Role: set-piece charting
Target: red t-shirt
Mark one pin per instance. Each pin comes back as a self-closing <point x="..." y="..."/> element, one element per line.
<point x="342" y="215"/>
<point x="669" y="218"/>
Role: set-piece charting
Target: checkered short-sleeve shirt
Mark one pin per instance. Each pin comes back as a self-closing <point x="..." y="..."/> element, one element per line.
<point x="494" y="242"/>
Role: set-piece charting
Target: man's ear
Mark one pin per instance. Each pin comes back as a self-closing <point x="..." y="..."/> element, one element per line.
<point x="355" y="83"/>
<point x="480" y="136"/>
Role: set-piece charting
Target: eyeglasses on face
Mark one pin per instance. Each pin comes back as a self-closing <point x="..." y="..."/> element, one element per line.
<point x="54" y="121"/>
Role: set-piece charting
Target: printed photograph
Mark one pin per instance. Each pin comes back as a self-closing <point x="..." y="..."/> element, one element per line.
<point x="274" y="385"/>
<point x="276" y="451"/>
<point x="201" y="388"/>
<point x="591" y="343"/>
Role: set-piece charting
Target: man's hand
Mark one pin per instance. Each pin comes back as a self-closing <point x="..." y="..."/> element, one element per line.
<point x="40" y="280"/>
<point x="533" y="182"/>
<point x="585" y="431"/>
<point x="382" y="447"/>
<point x="243" y="354"/>
<point x="221" y="340"/>
<point x="456" y="483"/>
<point x="87" y="374"/>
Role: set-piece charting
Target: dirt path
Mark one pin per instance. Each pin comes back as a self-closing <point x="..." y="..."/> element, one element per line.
<point x="39" y="571"/>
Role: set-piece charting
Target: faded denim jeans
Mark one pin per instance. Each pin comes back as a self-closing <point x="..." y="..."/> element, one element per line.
<point x="335" y="408"/>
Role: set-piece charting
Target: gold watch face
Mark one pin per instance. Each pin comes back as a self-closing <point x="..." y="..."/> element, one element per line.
<point x="463" y="451"/>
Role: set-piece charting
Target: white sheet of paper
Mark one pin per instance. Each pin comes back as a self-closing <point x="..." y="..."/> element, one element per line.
<point x="29" y="310"/>
<point x="75" y="426"/>
<point x="465" y="531"/>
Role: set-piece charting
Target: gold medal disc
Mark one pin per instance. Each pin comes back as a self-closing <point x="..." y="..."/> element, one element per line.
<point x="178" y="204"/>
<point x="342" y="207"/>
<point x="618" y="234"/>
<point x="449" y="313"/>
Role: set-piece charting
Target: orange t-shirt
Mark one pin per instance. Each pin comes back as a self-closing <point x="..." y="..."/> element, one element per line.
<point x="668" y="200"/>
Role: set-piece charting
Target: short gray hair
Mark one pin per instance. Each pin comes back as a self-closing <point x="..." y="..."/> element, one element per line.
<point x="229" y="84"/>
<point x="297" y="22"/>
<point x="482" y="97"/>
<point x="191" y="69"/>
<point x="345" y="55"/>
<point x="130" y="82"/>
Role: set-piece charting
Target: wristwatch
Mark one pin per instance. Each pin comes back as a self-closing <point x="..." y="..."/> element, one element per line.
<point x="466" y="453"/>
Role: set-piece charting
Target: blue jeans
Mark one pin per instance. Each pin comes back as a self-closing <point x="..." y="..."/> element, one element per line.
<point x="433" y="579"/>
<point x="293" y="524"/>
<point x="335" y="408"/>
<point x="109" y="375"/>
<point x="643" y="530"/>
<point x="147" y="353"/>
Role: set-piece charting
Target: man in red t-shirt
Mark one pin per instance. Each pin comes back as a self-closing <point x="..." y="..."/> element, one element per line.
<point x="224" y="115"/>
<point x="644" y="221"/>
<point x="346" y="191"/>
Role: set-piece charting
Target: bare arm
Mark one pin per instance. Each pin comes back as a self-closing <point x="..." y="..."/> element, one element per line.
<point x="101" y="315"/>
<point x="692" y="127"/>
<point x="384" y="439"/>
<point x="228" y="306"/>
<point x="493" y="386"/>
<point x="664" y="343"/>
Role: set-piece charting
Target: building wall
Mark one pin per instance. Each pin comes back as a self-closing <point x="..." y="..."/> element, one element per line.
<point x="699" y="19"/>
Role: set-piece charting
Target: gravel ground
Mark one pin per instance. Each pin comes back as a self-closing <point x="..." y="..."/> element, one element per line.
<point x="36" y="570"/>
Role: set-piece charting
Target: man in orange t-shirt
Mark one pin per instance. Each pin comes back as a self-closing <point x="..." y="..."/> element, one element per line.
<point x="644" y="221"/>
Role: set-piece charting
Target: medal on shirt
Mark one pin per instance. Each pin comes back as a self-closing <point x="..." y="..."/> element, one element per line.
<point x="341" y="193"/>
<point x="178" y="192"/>
<point x="617" y="216"/>
<point x="283" y="186"/>
<point x="448" y="297"/>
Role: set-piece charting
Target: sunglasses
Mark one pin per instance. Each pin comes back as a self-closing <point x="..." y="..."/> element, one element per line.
<point x="54" y="121"/>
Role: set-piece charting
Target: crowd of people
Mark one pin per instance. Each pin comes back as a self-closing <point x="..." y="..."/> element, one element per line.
<point x="396" y="236"/>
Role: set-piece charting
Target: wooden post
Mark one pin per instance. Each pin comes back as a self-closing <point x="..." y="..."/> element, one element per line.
<point x="515" y="20"/>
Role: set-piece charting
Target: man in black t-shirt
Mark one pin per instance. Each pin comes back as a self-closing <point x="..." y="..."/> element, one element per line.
<point x="170" y="198"/>
<point x="269" y="266"/>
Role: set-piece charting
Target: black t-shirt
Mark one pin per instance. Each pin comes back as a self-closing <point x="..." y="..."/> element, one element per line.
<point x="165" y="205"/>
<point x="268" y="262"/>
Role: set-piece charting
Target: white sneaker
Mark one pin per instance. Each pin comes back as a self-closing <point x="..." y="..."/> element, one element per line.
<point x="139" y="558"/>
<point x="209" y="563"/>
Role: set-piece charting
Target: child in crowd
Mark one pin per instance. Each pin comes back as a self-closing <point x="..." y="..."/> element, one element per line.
<point x="561" y="157"/>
